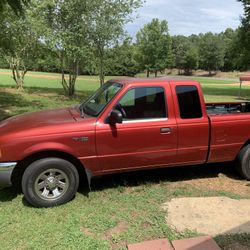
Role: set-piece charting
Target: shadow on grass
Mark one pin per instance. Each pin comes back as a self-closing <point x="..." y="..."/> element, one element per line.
<point x="133" y="179"/>
<point x="172" y="174"/>
<point x="13" y="102"/>
<point x="8" y="194"/>
<point x="81" y="95"/>
<point x="9" y="100"/>
<point x="29" y="89"/>
<point x="51" y="90"/>
<point x="234" y="241"/>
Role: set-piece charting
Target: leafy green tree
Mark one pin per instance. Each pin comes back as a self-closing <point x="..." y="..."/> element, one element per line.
<point x="80" y="30"/>
<point x="63" y="24"/>
<point x="211" y="52"/>
<point x="47" y="59"/>
<point x="246" y="5"/>
<point x="180" y="46"/>
<point x="19" y="41"/>
<point x="121" y="59"/>
<point x="16" y="5"/>
<point x="229" y="37"/>
<point x="154" y="47"/>
<point x="105" y="22"/>
<point x="239" y="54"/>
<point x="244" y="34"/>
<point x="185" y="54"/>
<point x="191" y="60"/>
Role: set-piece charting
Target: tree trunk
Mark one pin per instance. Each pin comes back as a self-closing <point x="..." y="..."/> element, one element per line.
<point x="101" y="54"/>
<point x="64" y="83"/>
<point x="101" y="73"/>
<point x="73" y="76"/>
<point x="148" y="73"/>
<point x="18" y="72"/>
<point x="69" y="86"/>
<point x="156" y="73"/>
<point x="72" y="83"/>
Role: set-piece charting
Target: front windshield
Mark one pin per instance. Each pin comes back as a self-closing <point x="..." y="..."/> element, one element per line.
<point x="98" y="101"/>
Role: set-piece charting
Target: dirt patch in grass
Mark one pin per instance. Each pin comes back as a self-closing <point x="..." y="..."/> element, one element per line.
<point x="88" y="232"/>
<point x="110" y="235"/>
<point x="209" y="215"/>
<point x="118" y="229"/>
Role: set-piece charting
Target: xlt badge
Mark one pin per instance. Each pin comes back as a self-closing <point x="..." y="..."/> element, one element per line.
<point x="81" y="139"/>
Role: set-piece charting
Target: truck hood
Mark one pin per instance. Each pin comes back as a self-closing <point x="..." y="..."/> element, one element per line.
<point x="37" y="123"/>
<point x="35" y="119"/>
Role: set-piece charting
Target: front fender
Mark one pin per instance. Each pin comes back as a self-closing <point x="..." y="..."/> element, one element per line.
<point x="48" y="146"/>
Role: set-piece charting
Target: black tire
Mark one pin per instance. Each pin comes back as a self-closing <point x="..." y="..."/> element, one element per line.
<point x="50" y="182"/>
<point x="243" y="162"/>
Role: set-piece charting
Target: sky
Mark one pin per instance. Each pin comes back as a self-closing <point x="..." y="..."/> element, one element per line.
<point x="186" y="17"/>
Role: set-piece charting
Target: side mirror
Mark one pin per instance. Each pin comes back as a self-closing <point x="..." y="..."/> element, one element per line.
<point x="115" y="117"/>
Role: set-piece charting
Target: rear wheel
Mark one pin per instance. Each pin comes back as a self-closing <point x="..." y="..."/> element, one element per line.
<point x="49" y="182"/>
<point x="243" y="162"/>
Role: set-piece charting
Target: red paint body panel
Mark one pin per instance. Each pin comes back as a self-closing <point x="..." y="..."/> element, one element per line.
<point x="229" y="133"/>
<point x="193" y="134"/>
<point x="52" y="130"/>
<point x="136" y="145"/>
<point x="130" y="145"/>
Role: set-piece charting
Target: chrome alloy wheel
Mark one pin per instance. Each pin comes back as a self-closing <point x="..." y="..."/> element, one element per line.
<point x="51" y="184"/>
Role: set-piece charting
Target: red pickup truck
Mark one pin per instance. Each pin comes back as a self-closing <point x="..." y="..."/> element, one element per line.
<point x="128" y="124"/>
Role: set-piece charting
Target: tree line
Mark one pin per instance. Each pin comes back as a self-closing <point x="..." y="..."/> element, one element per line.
<point x="76" y="37"/>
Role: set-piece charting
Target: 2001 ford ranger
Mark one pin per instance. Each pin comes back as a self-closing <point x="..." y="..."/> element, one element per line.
<point x="128" y="124"/>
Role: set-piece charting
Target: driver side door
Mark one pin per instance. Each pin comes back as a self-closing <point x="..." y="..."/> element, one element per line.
<point x="146" y="138"/>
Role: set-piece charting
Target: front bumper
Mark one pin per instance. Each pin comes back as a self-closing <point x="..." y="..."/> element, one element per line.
<point x="6" y="170"/>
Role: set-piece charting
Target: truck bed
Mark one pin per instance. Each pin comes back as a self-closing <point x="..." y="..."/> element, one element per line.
<point x="227" y="108"/>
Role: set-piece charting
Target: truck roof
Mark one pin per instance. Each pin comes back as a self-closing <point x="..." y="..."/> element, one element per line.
<point x="134" y="80"/>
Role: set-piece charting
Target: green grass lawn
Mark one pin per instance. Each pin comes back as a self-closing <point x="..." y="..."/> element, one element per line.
<point x="85" y="83"/>
<point x="120" y="209"/>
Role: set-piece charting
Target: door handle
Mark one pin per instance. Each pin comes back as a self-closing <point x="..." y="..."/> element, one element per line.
<point x="166" y="130"/>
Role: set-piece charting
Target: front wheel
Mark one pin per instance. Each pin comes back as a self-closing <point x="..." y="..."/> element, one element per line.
<point x="243" y="162"/>
<point x="49" y="182"/>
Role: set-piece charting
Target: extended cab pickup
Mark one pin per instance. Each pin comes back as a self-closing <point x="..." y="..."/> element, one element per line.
<point x="128" y="124"/>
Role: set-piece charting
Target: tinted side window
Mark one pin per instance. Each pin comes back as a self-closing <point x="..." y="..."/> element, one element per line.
<point x="143" y="103"/>
<point x="189" y="102"/>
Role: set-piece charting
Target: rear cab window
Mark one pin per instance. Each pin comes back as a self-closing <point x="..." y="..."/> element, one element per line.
<point x="189" y="102"/>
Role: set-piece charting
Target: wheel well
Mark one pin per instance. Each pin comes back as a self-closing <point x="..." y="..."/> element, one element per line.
<point x="17" y="174"/>
<point x="246" y="143"/>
